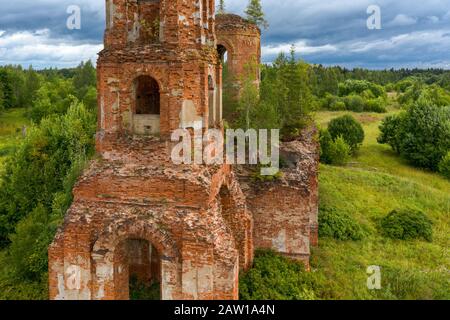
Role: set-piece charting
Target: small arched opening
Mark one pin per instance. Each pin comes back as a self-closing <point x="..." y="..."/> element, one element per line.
<point x="147" y="106"/>
<point x="227" y="96"/>
<point x="212" y="102"/>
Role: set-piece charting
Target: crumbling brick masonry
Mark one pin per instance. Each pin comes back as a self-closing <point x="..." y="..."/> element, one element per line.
<point x="135" y="213"/>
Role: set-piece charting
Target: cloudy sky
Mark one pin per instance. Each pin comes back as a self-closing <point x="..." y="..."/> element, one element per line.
<point x="414" y="33"/>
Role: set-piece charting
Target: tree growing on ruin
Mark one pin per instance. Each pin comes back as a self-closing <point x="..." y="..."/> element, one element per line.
<point x="221" y="7"/>
<point x="255" y="14"/>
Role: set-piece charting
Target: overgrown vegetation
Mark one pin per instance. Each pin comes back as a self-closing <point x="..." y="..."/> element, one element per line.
<point x="274" y="277"/>
<point x="338" y="225"/>
<point x="38" y="177"/>
<point x="139" y="290"/>
<point x="284" y="100"/>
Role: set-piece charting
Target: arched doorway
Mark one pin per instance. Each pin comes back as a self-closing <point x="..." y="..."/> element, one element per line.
<point x="135" y="255"/>
<point x="147" y="101"/>
<point x="138" y="261"/>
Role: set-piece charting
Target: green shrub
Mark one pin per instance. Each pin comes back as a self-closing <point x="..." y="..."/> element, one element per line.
<point x="28" y="250"/>
<point x="444" y="166"/>
<point x="354" y="103"/>
<point x="336" y="152"/>
<point x="407" y="225"/>
<point x="274" y="277"/>
<point x="350" y="129"/>
<point x="339" y="152"/>
<point x="338" y="105"/>
<point x="333" y="103"/>
<point x="338" y="225"/>
<point x="325" y="142"/>
<point x="421" y="134"/>
<point x="359" y="86"/>
<point x="140" y="290"/>
<point x="375" y="105"/>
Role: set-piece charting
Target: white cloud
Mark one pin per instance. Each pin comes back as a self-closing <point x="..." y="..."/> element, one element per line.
<point x="301" y="47"/>
<point x="402" y="20"/>
<point x="38" y="47"/>
<point x="2" y="32"/>
<point x="434" y="39"/>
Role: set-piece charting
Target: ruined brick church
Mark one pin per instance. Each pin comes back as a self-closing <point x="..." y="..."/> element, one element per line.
<point x="189" y="228"/>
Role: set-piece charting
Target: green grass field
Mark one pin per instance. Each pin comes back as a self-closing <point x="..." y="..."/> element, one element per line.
<point x="11" y="122"/>
<point x="374" y="183"/>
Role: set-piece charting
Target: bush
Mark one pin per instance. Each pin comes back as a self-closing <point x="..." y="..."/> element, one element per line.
<point x="338" y="225"/>
<point x="140" y="290"/>
<point x="274" y="277"/>
<point x="350" y="129"/>
<point x="375" y="105"/>
<point x="338" y="106"/>
<point x="444" y="166"/>
<point x="333" y="103"/>
<point x="421" y="134"/>
<point x="339" y="152"/>
<point x="355" y="103"/>
<point x="359" y="86"/>
<point x="336" y="152"/>
<point x="407" y="225"/>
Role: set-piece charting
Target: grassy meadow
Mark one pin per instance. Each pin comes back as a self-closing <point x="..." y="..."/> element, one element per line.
<point x="375" y="182"/>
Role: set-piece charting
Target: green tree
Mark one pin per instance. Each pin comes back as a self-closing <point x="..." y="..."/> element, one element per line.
<point x="6" y="83"/>
<point x="221" y="7"/>
<point x="255" y="14"/>
<point x="1" y="98"/>
<point x="32" y="85"/>
<point x="421" y="134"/>
<point x="349" y="128"/>
<point x="37" y="171"/>
<point x="84" y="78"/>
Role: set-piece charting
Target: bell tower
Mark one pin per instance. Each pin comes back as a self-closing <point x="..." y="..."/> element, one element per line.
<point x="183" y="230"/>
<point x="157" y="69"/>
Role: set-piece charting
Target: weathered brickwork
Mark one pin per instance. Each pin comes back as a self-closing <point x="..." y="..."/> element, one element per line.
<point x="285" y="211"/>
<point x="137" y="214"/>
<point x="241" y="40"/>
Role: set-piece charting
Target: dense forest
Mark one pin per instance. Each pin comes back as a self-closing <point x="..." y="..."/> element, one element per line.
<point x="48" y="144"/>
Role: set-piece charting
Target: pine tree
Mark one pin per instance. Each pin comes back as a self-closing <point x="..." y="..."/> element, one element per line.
<point x="255" y="14"/>
<point x="8" y="94"/>
<point x="221" y="8"/>
<point x="1" y="97"/>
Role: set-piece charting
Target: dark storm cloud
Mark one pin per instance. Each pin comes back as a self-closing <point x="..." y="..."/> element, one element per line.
<point x="414" y="32"/>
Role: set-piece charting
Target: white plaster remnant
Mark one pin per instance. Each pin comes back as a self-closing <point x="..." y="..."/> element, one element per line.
<point x="279" y="243"/>
<point x="189" y="117"/>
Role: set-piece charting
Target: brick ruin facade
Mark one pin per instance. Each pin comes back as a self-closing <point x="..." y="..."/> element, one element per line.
<point x="240" y="40"/>
<point x="190" y="228"/>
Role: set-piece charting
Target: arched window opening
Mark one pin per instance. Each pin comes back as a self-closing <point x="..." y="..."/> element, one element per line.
<point x="147" y="96"/>
<point x="223" y="53"/>
<point x="228" y="102"/>
<point x="141" y="264"/>
<point x="149" y="21"/>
